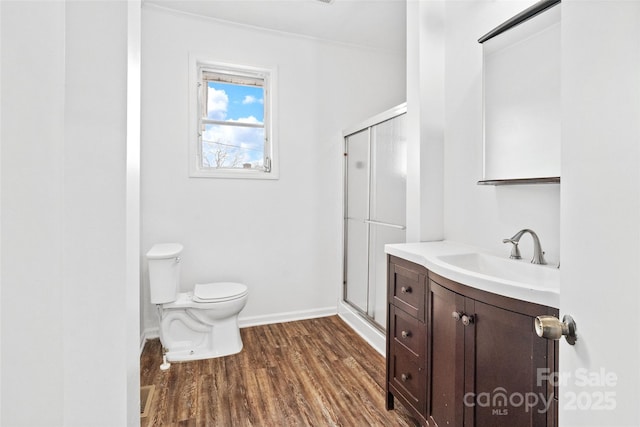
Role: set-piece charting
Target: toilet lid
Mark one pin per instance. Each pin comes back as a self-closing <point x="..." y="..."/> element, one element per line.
<point x="208" y="292"/>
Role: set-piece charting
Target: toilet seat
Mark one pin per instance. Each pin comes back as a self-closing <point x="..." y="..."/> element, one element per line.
<point x="218" y="292"/>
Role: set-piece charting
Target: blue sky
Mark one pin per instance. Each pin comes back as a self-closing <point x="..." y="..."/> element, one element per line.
<point x="242" y="101"/>
<point x="229" y="145"/>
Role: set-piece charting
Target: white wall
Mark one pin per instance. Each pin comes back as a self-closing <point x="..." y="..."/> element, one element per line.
<point x="32" y="212"/>
<point x="69" y="353"/>
<point x="484" y="215"/>
<point x="425" y="120"/>
<point x="132" y="210"/>
<point x="1" y="212"/>
<point x="280" y="237"/>
<point x="601" y="210"/>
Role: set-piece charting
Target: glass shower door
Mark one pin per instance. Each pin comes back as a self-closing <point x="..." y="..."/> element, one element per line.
<point x="357" y="212"/>
<point x="387" y="207"/>
<point x="375" y="204"/>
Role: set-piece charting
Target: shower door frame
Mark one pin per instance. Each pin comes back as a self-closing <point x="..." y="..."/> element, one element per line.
<point x="366" y="125"/>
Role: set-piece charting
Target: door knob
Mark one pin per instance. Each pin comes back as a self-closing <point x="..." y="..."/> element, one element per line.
<point x="467" y="320"/>
<point x="406" y="334"/>
<point x="551" y="328"/>
<point x="406" y="290"/>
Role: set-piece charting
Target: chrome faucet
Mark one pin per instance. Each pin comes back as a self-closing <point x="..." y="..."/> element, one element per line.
<point x="538" y="253"/>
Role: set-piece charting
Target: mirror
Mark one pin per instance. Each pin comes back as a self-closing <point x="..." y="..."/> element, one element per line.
<point x="521" y="77"/>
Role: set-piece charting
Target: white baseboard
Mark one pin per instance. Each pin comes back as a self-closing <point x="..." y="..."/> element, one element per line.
<point x="148" y="334"/>
<point x="362" y="327"/>
<point x="290" y="316"/>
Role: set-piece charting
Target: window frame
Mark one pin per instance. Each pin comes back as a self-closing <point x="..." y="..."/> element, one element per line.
<point x="200" y="64"/>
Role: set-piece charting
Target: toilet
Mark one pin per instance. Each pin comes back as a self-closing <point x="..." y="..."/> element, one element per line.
<point x="199" y="324"/>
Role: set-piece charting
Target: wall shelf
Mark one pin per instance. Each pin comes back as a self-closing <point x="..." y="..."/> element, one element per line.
<point x="521" y="181"/>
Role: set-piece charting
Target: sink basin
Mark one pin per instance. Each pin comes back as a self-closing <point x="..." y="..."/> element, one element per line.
<point x="520" y="272"/>
<point x="479" y="269"/>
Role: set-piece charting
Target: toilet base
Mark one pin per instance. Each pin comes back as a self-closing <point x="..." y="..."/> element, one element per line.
<point x="188" y="334"/>
<point x="187" y="355"/>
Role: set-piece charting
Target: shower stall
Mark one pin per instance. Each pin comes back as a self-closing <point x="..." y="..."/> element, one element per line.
<point x="374" y="209"/>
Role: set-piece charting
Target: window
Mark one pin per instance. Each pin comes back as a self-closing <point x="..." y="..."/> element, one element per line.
<point x="233" y="135"/>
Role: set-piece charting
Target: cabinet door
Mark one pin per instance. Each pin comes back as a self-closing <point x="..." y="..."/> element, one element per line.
<point x="446" y="379"/>
<point x="506" y="389"/>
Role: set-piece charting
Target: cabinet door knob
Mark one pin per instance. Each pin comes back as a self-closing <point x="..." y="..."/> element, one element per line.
<point x="405" y="377"/>
<point x="467" y="320"/>
<point x="456" y="315"/>
<point x="406" y="334"/>
<point x="406" y="290"/>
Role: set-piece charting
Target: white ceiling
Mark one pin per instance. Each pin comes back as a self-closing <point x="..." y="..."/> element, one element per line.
<point x="371" y="23"/>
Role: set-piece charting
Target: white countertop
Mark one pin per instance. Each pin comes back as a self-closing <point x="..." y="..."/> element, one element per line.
<point x="479" y="269"/>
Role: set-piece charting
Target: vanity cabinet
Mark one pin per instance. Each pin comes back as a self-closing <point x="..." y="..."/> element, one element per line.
<point x="480" y="361"/>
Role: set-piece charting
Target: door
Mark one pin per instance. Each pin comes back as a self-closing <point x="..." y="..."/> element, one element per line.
<point x="600" y="224"/>
<point x="356" y="215"/>
<point x="474" y="382"/>
<point x="446" y="379"/>
<point x="507" y="387"/>
<point x="375" y="211"/>
<point x="387" y="206"/>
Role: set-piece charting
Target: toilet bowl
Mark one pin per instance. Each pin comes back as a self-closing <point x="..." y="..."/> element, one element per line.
<point x="198" y="324"/>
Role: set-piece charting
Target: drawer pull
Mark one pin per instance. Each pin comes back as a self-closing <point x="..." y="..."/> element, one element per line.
<point x="456" y="315"/>
<point x="406" y="334"/>
<point x="406" y="290"/>
<point x="405" y="377"/>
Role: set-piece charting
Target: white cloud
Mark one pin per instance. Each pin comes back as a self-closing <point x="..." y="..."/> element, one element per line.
<point x="247" y="143"/>
<point x="217" y="104"/>
<point x="250" y="99"/>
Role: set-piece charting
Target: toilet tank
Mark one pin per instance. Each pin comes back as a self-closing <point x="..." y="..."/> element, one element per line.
<point x="164" y="272"/>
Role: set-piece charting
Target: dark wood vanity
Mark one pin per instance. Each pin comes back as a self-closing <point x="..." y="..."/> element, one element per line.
<point x="459" y="356"/>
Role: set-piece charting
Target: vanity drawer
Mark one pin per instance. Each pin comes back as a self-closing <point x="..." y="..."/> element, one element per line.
<point x="407" y="331"/>
<point x="407" y="290"/>
<point x="407" y="375"/>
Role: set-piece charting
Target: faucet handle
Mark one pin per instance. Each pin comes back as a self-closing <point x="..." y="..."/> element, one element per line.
<point x="515" y="250"/>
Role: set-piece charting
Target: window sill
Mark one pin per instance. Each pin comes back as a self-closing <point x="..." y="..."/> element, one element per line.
<point x="234" y="174"/>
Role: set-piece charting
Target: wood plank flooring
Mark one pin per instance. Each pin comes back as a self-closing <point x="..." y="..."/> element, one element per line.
<point x="315" y="372"/>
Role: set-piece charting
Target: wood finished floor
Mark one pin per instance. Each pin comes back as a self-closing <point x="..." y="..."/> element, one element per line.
<point x="314" y="372"/>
